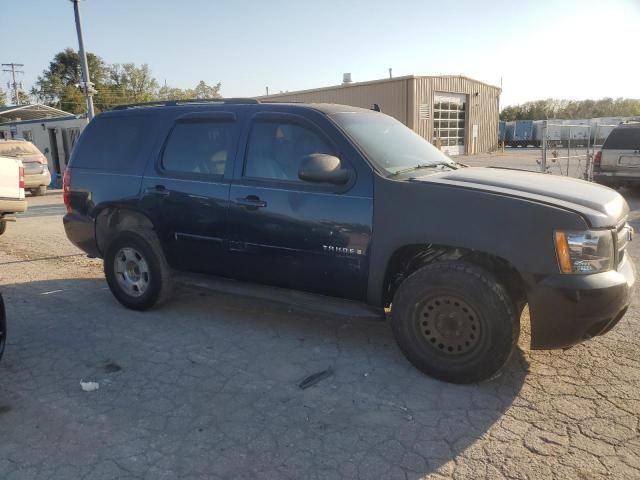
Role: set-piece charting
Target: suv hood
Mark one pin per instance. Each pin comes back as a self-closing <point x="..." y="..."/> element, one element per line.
<point x="601" y="206"/>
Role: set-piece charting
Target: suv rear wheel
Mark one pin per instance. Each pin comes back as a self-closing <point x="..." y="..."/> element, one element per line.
<point x="454" y="321"/>
<point x="136" y="269"/>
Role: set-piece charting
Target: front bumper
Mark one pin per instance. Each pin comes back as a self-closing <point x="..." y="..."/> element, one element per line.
<point x="36" y="180"/>
<point x="568" y="309"/>
<point x="12" y="206"/>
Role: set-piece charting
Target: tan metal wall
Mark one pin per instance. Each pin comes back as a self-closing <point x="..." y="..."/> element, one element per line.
<point x="482" y="109"/>
<point x="401" y="98"/>
<point x="390" y="94"/>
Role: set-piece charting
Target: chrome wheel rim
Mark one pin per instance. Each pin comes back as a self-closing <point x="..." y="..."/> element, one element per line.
<point x="132" y="271"/>
<point x="449" y="325"/>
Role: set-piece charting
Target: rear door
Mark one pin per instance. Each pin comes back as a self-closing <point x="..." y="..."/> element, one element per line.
<point x="186" y="190"/>
<point x="290" y="233"/>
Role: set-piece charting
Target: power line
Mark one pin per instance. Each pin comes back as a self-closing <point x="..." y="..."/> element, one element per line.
<point x="13" y="72"/>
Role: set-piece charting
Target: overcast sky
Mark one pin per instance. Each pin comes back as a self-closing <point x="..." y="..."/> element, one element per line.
<point x="539" y="49"/>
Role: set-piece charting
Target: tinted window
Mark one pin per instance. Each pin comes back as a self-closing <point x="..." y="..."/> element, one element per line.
<point x="117" y="144"/>
<point x="623" y="138"/>
<point x="199" y="147"/>
<point x="276" y="148"/>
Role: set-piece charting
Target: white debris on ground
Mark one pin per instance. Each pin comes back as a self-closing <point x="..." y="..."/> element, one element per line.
<point x="89" y="386"/>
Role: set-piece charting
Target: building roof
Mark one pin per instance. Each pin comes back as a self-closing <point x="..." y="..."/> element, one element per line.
<point x="37" y="111"/>
<point x="371" y="82"/>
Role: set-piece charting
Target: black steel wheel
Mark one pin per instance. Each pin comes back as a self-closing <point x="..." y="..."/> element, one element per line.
<point x="449" y="324"/>
<point x="454" y="321"/>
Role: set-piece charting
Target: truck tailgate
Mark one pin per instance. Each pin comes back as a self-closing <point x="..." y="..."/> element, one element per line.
<point x="10" y="179"/>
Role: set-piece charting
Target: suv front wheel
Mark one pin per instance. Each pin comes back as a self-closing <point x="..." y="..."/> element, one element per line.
<point x="136" y="269"/>
<point x="454" y="321"/>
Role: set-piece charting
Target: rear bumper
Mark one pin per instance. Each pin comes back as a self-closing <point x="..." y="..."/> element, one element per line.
<point x="568" y="309"/>
<point x="12" y="206"/>
<point x="37" y="180"/>
<point x="81" y="232"/>
<point x="614" y="179"/>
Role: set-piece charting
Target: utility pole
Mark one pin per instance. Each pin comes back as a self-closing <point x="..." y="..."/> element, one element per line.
<point x="13" y="72"/>
<point x="86" y="84"/>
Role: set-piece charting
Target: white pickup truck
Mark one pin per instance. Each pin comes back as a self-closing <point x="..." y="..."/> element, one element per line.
<point x="12" y="199"/>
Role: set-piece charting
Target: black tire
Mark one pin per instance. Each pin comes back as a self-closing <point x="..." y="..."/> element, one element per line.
<point x="454" y="321"/>
<point x="158" y="278"/>
<point x="40" y="191"/>
<point x="3" y="326"/>
<point x="3" y="226"/>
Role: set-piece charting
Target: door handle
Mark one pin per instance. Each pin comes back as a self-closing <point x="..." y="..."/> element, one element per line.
<point x="160" y="190"/>
<point x="251" y="202"/>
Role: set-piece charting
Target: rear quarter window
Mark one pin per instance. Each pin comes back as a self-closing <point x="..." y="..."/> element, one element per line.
<point x="624" y="138"/>
<point x="118" y="144"/>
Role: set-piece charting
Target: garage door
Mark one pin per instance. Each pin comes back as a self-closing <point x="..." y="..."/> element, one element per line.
<point x="449" y="113"/>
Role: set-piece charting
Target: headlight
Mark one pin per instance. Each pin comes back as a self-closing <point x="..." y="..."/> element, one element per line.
<point x="584" y="252"/>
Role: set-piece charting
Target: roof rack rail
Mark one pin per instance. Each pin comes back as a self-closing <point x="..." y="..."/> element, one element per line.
<point x="173" y="103"/>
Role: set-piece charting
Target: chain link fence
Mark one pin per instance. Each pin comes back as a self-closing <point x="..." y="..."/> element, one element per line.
<point x="566" y="148"/>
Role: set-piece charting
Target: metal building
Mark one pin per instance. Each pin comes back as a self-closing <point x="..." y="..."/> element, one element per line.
<point x="456" y="113"/>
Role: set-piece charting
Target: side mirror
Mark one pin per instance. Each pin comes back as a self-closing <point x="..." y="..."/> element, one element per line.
<point x="321" y="168"/>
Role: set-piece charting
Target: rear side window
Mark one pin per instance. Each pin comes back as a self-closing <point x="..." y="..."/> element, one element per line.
<point x="17" y="149"/>
<point x="624" y="138"/>
<point x="199" y="147"/>
<point x="117" y="144"/>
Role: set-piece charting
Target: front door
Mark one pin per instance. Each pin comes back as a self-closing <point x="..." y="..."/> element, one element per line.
<point x="186" y="191"/>
<point x="286" y="232"/>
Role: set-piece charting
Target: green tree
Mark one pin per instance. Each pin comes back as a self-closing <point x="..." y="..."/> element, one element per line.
<point x="201" y="91"/>
<point x="572" y="109"/>
<point x="3" y="98"/>
<point x="57" y="86"/>
<point x="131" y="84"/>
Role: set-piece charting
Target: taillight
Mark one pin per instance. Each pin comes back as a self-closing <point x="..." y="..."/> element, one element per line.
<point x="66" y="189"/>
<point x="21" y="178"/>
<point x="597" y="160"/>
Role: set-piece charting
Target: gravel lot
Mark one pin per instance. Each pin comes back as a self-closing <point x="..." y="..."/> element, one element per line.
<point x="207" y="387"/>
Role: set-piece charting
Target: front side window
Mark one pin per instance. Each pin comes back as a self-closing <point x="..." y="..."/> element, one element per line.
<point x="200" y="148"/>
<point x="275" y="150"/>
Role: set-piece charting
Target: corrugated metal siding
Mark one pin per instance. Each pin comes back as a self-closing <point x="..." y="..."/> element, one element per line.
<point x="482" y="109"/>
<point x="402" y="97"/>
<point x="390" y="95"/>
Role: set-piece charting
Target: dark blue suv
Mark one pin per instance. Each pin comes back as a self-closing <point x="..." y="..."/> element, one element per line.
<point x="349" y="204"/>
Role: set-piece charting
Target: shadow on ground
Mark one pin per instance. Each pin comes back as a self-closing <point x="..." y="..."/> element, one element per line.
<point x="208" y="385"/>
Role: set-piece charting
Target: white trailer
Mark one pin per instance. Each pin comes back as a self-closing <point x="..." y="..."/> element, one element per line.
<point x="54" y="137"/>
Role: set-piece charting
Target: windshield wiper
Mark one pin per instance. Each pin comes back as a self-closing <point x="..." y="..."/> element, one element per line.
<point x="419" y="167"/>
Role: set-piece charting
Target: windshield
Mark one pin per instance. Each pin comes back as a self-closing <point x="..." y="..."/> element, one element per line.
<point x="388" y="143"/>
<point x="17" y="149"/>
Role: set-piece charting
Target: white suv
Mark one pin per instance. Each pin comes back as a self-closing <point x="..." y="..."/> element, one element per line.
<point x="618" y="163"/>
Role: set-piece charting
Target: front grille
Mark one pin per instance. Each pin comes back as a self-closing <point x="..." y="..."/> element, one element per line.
<point x="623" y="234"/>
